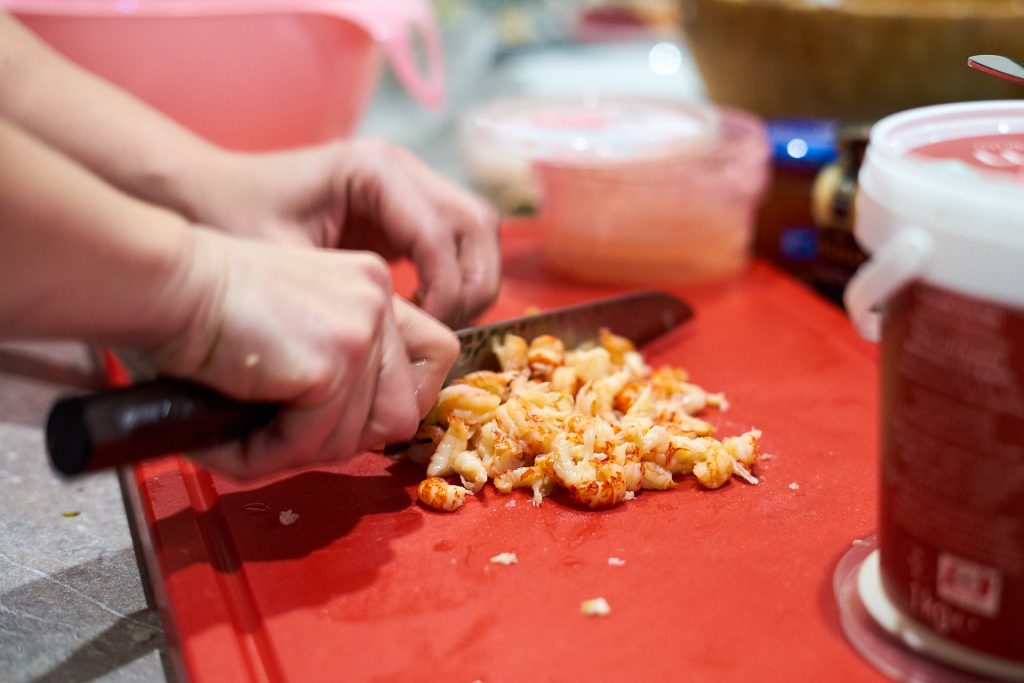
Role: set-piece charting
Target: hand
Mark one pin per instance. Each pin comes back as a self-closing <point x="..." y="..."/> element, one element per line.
<point x="365" y="195"/>
<point x="318" y="331"/>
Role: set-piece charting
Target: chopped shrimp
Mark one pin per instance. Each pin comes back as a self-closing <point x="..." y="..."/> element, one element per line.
<point x="511" y="353"/>
<point x="471" y="470"/>
<point x="656" y="477"/>
<point x="525" y="477"/>
<point x="452" y="443"/>
<point x="499" y="451"/>
<point x="590" y="364"/>
<point x="716" y="467"/>
<point x="596" y="421"/>
<point x="616" y="346"/>
<point x="496" y="383"/>
<point x="565" y="379"/>
<point x="473" y="405"/>
<point x="439" y="494"/>
<point x="424" y="443"/>
<point x="745" y="448"/>
<point x="544" y="354"/>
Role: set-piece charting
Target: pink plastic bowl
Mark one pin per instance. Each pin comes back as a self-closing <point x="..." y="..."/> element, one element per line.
<point x="248" y="74"/>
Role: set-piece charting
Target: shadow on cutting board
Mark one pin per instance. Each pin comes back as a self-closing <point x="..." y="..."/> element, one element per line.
<point x="346" y="518"/>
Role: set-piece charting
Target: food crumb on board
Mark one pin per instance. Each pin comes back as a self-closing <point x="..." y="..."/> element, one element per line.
<point x="511" y="503"/>
<point x="595" y="607"/>
<point x="287" y="517"/>
<point x="505" y="559"/>
<point x="794" y="486"/>
<point x="71" y="513"/>
<point x="616" y="561"/>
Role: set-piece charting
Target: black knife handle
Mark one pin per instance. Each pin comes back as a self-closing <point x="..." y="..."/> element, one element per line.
<point x="157" y="417"/>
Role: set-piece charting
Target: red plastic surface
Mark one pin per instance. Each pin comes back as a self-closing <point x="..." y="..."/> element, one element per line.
<point x="726" y="585"/>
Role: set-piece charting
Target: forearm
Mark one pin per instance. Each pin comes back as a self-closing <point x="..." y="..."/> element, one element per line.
<point x="115" y="135"/>
<point x="80" y="259"/>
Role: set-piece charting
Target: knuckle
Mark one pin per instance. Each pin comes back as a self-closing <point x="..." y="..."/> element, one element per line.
<point x="314" y="377"/>
<point x="407" y="424"/>
<point x="486" y="216"/>
<point x="448" y="349"/>
<point x="375" y="269"/>
<point x="378" y="148"/>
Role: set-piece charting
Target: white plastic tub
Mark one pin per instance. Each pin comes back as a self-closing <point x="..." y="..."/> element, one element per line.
<point x="941" y="210"/>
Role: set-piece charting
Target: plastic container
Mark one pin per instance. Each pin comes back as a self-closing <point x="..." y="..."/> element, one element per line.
<point x="940" y="209"/>
<point x="501" y="142"/>
<point x="631" y="190"/>
<point x="684" y="216"/>
<point x="247" y="75"/>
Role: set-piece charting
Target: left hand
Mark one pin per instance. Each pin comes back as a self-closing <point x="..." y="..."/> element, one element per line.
<point x="364" y="195"/>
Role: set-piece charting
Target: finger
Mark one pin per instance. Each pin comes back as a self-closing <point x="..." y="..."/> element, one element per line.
<point x="432" y="349"/>
<point x="299" y="435"/>
<point x="431" y="244"/>
<point x="474" y="225"/>
<point x="480" y="261"/>
<point x="307" y="428"/>
<point x="394" y="415"/>
<point x="435" y="257"/>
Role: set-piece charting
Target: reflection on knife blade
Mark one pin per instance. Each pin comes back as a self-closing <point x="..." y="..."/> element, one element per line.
<point x="640" y="317"/>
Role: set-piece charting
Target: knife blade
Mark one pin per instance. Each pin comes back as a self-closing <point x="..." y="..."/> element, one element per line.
<point x="152" y="418"/>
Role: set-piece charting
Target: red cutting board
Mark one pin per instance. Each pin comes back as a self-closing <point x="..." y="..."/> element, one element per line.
<point x="726" y="585"/>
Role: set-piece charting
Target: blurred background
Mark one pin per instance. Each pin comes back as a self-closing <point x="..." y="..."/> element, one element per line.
<point x="817" y="72"/>
<point x="622" y="104"/>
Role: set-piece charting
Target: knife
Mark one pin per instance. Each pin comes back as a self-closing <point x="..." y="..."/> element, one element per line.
<point x="120" y="426"/>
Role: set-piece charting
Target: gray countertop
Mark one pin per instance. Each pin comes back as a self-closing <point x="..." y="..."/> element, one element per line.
<point x="72" y="602"/>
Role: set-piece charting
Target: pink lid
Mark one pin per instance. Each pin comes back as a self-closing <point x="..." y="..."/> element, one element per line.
<point x="999" y="153"/>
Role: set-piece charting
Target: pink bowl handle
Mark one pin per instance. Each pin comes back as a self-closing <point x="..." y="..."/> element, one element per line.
<point x="427" y="88"/>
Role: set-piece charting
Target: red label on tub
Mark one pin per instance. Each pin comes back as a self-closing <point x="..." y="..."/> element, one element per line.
<point x="952" y="506"/>
<point x="1000" y="153"/>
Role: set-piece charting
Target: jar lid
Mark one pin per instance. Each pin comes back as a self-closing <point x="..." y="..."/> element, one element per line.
<point x="961" y="163"/>
<point x="591" y="130"/>
<point x="943" y="186"/>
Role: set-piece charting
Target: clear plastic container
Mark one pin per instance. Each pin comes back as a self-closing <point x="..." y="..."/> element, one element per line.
<point x="676" y="210"/>
<point x="501" y="142"/>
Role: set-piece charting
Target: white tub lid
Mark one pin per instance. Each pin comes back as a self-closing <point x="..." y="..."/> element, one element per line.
<point x="590" y="130"/>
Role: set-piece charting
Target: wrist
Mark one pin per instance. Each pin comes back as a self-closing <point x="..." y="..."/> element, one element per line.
<point x="181" y="179"/>
<point x="189" y="299"/>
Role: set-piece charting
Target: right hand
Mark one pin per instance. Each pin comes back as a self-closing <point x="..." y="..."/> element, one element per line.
<point x="319" y="332"/>
<point x="364" y="195"/>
